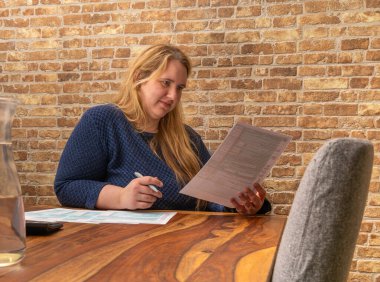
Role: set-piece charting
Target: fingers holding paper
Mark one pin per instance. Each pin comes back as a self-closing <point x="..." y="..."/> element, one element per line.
<point x="250" y="200"/>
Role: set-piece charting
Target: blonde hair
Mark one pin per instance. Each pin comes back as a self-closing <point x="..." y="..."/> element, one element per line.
<point x="172" y="138"/>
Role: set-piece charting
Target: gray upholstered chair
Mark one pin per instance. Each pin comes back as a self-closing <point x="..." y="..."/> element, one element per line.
<point x="323" y="224"/>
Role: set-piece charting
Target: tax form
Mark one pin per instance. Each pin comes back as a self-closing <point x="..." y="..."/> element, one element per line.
<point x="246" y="156"/>
<point x="99" y="216"/>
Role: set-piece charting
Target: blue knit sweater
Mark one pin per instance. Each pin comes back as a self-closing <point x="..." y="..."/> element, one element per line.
<point x="104" y="148"/>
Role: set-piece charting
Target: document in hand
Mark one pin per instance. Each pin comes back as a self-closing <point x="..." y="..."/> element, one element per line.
<point x="246" y="156"/>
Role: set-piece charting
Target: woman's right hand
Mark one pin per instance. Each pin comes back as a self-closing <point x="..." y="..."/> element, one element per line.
<point x="138" y="195"/>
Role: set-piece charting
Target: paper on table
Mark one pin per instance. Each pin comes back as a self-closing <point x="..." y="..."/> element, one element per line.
<point x="95" y="216"/>
<point x="245" y="157"/>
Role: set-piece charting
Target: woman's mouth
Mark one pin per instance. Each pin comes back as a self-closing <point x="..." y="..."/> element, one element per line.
<point x="166" y="105"/>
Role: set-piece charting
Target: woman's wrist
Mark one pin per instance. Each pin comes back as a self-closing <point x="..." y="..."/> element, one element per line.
<point x="110" y="197"/>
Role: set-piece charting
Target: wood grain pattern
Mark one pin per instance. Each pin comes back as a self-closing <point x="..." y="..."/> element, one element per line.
<point x="191" y="247"/>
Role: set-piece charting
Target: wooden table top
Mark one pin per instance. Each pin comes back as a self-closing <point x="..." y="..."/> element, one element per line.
<point x="191" y="247"/>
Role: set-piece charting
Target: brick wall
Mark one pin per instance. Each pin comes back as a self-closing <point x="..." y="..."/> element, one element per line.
<point x="306" y="68"/>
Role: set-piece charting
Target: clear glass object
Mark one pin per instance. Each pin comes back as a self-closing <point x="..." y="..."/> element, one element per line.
<point x="12" y="218"/>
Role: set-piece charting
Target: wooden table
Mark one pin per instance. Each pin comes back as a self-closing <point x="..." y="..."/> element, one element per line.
<point x="193" y="246"/>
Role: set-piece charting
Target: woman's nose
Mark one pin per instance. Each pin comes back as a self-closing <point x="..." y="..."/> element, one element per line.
<point x="172" y="92"/>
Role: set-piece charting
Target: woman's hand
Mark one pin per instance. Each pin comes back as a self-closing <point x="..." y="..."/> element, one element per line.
<point x="137" y="194"/>
<point x="251" y="200"/>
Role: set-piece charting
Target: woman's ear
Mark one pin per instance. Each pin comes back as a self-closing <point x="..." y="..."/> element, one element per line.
<point x="136" y="76"/>
<point x="140" y="75"/>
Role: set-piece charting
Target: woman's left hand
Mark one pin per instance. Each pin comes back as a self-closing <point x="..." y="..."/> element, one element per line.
<point x="251" y="200"/>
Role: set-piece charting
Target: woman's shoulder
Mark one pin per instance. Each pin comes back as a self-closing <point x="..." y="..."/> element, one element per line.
<point x="104" y="110"/>
<point x="104" y="115"/>
<point x="192" y="133"/>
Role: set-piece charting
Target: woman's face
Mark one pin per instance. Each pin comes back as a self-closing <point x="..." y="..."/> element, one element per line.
<point x="161" y="95"/>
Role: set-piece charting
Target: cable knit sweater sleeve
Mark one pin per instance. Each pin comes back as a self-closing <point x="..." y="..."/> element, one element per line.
<point x="82" y="168"/>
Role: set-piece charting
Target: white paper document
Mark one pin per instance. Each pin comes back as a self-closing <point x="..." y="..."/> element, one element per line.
<point x="246" y="156"/>
<point x="97" y="216"/>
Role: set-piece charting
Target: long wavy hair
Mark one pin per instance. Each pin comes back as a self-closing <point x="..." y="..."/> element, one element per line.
<point x="172" y="138"/>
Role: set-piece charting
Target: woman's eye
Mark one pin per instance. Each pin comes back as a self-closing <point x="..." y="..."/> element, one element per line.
<point x="165" y="83"/>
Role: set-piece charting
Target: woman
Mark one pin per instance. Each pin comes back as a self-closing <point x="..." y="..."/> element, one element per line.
<point x="143" y="133"/>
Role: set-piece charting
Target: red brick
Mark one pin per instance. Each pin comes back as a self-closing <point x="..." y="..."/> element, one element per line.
<point x="264" y="48"/>
<point x="39" y="122"/>
<point x="246" y="84"/>
<point x="280" y="110"/>
<point x="281" y="35"/>
<point x="41" y="55"/>
<point x="74" y="19"/>
<point x="74" y="31"/>
<point x="250" y="11"/>
<point x="316" y="6"/>
<point x="158" y="4"/>
<point x="122" y="64"/>
<point x="340" y="110"/>
<point x="226" y="97"/>
<point x="155" y="39"/>
<point x="190" y="26"/>
<point x="103" y="53"/>
<point x="221" y="122"/>
<point x="289" y="59"/>
<point x="359" y="82"/>
<point x="373" y="56"/>
<point x="372" y="3"/>
<point x="229" y="109"/>
<point x="222" y="72"/>
<point x="283" y="198"/>
<point x="45" y="88"/>
<point x="284" y="47"/>
<point x="15" y="88"/>
<point x="361" y="17"/>
<point x="16" y="22"/>
<point x="246" y="60"/>
<point x="284" y="21"/>
<point x="311" y="70"/>
<point x="351" y="44"/>
<point x="375" y="82"/>
<point x="46" y="21"/>
<point x="7" y="46"/>
<point x="317" y="45"/>
<point x="242" y="36"/>
<point x="154" y="15"/>
<point x="72" y="54"/>
<point x="283" y="71"/>
<point x="185" y="3"/>
<point x="318" y="122"/>
<point x="196" y="14"/>
<point x="314" y="19"/>
<point x="284" y="83"/>
<point x="285" y="9"/>
<point x="104" y="7"/>
<point x="334" y="70"/>
<point x="274" y="121"/>
<point x="325" y="83"/>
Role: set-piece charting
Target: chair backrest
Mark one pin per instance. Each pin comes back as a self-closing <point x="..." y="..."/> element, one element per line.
<point x="320" y="235"/>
